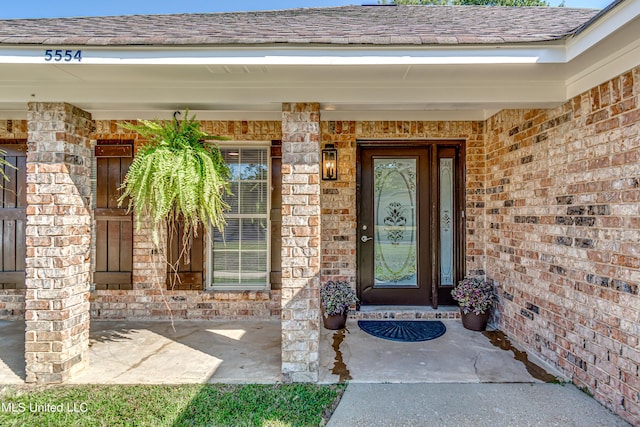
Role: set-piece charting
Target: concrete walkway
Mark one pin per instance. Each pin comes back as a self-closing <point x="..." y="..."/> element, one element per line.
<point x="472" y="405"/>
<point x="463" y="378"/>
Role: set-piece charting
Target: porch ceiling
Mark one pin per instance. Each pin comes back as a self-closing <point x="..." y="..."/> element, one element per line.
<point x="106" y="90"/>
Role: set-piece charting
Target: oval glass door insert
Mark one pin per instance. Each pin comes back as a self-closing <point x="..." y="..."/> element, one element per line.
<point x="395" y="220"/>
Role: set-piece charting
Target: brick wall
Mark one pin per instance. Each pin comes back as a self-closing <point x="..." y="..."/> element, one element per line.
<point x="147" y="300"/>
<point x="11" y="304"/>
<point x="338" y="204"/>
<point x="563" y="236"/>
<point x="338" y="201"/>
<point x="12" y="300"/>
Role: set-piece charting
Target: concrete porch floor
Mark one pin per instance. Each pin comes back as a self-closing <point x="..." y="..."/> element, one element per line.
<point x="391" y="383"/>
<point x="459" y="356"/>
<point x="238" y="351"/>
<point x="135" y="352"/>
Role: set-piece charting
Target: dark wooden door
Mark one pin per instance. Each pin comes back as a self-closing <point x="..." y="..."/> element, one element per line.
<point x="114" y="226"/>
<point x="393" y="229"/>
<point x="13" y="214"/>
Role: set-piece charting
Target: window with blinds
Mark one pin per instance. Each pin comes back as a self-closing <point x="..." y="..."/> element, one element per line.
<point x="239" y="255"/>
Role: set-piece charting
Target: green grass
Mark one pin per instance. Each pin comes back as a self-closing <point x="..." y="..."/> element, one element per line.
<point x="163" y="405"/>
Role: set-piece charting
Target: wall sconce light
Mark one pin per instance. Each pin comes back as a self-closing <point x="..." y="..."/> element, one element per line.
<point x="329" y="163"/>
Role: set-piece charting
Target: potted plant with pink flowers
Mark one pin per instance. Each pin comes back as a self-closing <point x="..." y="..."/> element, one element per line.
<point x="335" y="300"/>
<point x="475" y="296"/>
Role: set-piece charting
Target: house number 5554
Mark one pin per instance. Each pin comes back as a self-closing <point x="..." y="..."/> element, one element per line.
<point x="58" y="55"/>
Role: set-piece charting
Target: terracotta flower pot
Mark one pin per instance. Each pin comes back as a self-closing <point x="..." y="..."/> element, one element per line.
<point x="335" y="321"/>
<point x="475" y="322"/>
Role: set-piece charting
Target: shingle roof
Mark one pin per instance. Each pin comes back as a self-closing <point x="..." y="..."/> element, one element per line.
<point x="362" y="25"/>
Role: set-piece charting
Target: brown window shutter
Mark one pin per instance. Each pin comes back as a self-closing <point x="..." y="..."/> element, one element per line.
<point x="190" y="275"/>
<point x="13" y="215"/>
<point x="114" y="226"/>
<point x="276" y="215"/>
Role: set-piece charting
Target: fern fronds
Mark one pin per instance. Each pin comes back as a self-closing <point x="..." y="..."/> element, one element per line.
<point x="176" y="177"/>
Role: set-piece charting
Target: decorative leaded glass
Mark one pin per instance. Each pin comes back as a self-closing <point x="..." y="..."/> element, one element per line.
<point x="395" y="220"/>
<point x="446" y="222"/>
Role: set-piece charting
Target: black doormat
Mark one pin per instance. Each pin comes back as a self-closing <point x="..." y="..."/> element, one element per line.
<point x="403" y="330"/>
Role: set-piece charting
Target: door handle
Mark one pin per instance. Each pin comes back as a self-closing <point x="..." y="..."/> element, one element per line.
<point x="365" y="239"/>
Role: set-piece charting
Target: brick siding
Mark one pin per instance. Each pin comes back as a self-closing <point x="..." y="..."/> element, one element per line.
<point x="563" y="236"/>
<point x="338" y="207"/>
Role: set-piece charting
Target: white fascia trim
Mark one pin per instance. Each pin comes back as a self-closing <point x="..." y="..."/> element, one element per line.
<point x="325" y="115"/>
<point x="547" y="53"/>
<point x="14" y="114"/>
<point x="604" y="26"/>
<point x="409" y="115"/>
<point x="200" y="114"/>
<point x="358" y="115"/>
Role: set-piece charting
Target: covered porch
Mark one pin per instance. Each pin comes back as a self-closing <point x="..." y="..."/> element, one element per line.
<point x="543" y="132"/>
<point x="248" y="351"/>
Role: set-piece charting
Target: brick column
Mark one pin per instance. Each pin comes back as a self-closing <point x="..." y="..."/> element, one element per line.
<point x="58" y="241"/>
<point x="300" y="241"/>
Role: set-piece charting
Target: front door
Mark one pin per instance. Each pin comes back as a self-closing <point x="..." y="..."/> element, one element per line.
<point x="409" y="234"/>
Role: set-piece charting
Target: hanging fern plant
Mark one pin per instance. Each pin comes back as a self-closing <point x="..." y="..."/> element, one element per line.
<point x="176" y="177"/>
